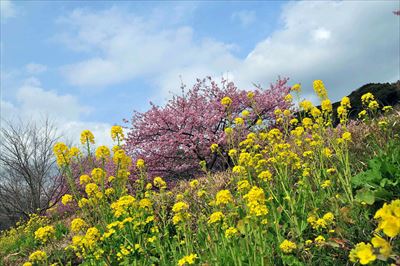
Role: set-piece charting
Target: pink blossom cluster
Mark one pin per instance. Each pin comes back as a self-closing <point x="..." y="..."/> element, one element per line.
<point x="174" y="138"/>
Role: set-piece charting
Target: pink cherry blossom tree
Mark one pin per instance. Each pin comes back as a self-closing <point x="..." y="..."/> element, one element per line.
<point x="174" y="138"/>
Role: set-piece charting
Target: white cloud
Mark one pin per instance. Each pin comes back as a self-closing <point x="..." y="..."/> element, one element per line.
<point x="245" y="17"/>
<point x="101" y="131"/>
<point x="7" y="10"/>
<point x="344" y="43"/>
<point x="34" y="68"/>
<point x="36" y="103"/>
<point x="128" y="46"/>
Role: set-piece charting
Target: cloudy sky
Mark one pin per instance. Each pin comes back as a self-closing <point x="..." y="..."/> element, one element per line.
<point x="90" y="64"/>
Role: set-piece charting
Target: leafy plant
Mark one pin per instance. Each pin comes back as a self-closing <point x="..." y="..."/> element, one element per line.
<point x="381" y="181"/>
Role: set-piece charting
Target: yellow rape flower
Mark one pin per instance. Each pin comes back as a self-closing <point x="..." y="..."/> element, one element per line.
<point x="226" y="101"/>
<point x="201" y="193"/>
<point x="245" y="113"/>
<point x="250" y="95"/>
<point x="77" y="225"/>
<point x="140" y="164"/>
<point x="223" y="197"/>
<point x="326" y="183"/>
<point x="122" y="205"/>
<point x="102" y="153"/>
<point x="367" y="97"/>
<point x="362" y="253"/>
<point x="346" y="136"/>
<point x="243" y="185"/>
<point x="87" y="137"/>
<point x="265" y="175"/>
<point x="287" y="246"/>
<point x="67" y="198"/>
<point x="373" y="105"/>
<point x="84" y="179"/>
<point x="214" y="147"/>
<point x="345" y="102"/>
<point x="117" y="133"/>
<point x="231" y="232"/>
<point x="38" y="256"/>
<point x="319" y="240"/>
<point x="194" y="183"/>
<point x="296" y="87"/>
<point x="362" y="114"/>
<point x="319" y="89"/>
<point x="239" y="121"/>
<point x="190" y="259"/>
<point x="145" y="203"/>
<point x="159" y="182"/>
<point x="385" y="249"/>
<point x="45" y="233"/>
<point x="74" y="151"/>
<point x="62" y="154"/>
<point x="389" y="218"/>
<point x="180" y="207"/>
<point x="228" y="130"/>
<point x="288" y="98"/>
<point x="387" y="108"/>
<point x="98" y="174"/>
<point x="215" y="217"/>
<point x="109" y="191"/>
<point x="91" y="189"/>
<point x="326" y="105"/>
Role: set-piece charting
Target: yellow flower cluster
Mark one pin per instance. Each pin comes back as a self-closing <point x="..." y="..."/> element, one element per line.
<point x="62" y="154"/>
<point x="123" y="205"/>
<point x="215" y="217"/>
<point x="389" y="223"/>
<point x="367" y="98"/>
<point x="189" y="259"/>
<point x="102" y="153"/>
<point x="363" y="253"/>
<point x="117" y="133"/>
<point x="159" y="182"/>
<point x="91" y="189"/>
<point x="38" y="256"/>
<point x="321" y="223"/>
<point x="223" y="197"/>
<point x="231" y="232"/>
<point x="67" y="198"/>
<point x="87" y="137"/>
<point x="45" y="233"/>
<point x="296" y="87"/>
<point x="121" y="159"/>
<point x="319" y="89"/>
<point x="140" y="164"/>
<point x="287" y="246"/>
<point x="88" y="242"/>
<point x="239" y="121"/>
<point x="256" y="201"/>
<point x="214" y="147"/>
<point x="389" y="218"/>
<point x="77" y="225"/>
<point x="181" y="212"/>
<point x="226" y="101"/>
<point x="84" y="179"/>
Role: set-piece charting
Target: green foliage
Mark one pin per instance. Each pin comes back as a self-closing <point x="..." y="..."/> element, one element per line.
<point x="381" y="182"/>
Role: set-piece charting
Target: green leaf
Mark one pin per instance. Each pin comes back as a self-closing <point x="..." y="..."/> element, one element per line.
<point x="365" y="195"/>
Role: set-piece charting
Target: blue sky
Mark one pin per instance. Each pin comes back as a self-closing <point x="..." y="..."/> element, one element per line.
<point x="89" y="64"/>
